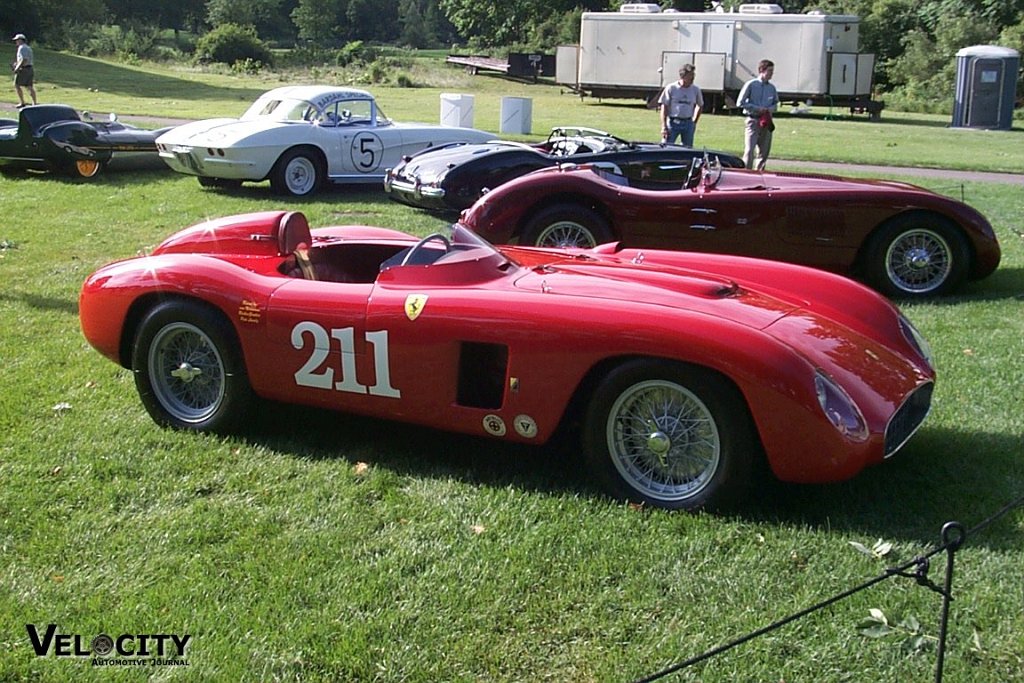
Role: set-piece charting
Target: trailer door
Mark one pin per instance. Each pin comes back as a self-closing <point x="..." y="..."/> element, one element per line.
<point x="842" y="75"/>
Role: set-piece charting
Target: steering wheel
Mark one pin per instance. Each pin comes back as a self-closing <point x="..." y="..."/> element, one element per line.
<point x="555" y="134"/>
<point x="416" y="248"/>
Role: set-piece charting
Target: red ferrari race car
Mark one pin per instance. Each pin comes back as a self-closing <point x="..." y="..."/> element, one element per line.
<point x="901" y="239"/>
<point x="678" y="371"/>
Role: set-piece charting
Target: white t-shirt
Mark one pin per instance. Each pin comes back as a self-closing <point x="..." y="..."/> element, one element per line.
<point x="681" y="101"/>
<point x="24" y="55"/>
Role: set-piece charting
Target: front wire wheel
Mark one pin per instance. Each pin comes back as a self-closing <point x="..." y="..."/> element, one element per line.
<point x="918" y="261"/>
<point x="187" y="372"/>
<point x="188" y="369"/>
<point x="917" y="256"/>
<point x="670" y="435"/>
<point x="664" y="440"/>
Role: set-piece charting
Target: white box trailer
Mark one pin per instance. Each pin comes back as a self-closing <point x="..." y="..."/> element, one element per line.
<point x="635" y="53"/>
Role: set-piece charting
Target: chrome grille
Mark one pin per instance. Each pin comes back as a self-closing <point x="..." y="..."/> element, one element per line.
<point x="908" y="418"/>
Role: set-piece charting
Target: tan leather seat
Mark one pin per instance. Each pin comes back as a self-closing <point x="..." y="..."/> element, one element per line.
<point x="294" y="239"/>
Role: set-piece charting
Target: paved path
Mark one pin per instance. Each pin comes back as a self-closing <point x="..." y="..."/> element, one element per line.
<point x="842" y="169"/>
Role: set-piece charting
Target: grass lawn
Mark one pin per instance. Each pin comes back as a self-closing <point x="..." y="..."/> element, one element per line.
<point x="327" y="547"/>
<point x="901" y="139"/>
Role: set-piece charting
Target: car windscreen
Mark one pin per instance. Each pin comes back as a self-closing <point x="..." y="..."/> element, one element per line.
<point x="466" y="240"/>
<point x="286" y="109"/>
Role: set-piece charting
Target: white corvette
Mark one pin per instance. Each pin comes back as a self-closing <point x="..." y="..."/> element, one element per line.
<point x="299" y="137"/>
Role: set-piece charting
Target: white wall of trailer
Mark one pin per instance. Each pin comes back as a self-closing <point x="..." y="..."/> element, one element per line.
<point x="814" y="54"/>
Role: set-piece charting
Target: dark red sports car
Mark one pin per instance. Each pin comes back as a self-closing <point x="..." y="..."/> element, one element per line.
<point x="901" y="239"/>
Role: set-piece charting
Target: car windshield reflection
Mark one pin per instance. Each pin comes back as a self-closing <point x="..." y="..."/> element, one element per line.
<point x="287" y="109"/>
<point x="457" y="250"/>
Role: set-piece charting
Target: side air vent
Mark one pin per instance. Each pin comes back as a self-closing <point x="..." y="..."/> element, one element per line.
<point x="482" y="372"/>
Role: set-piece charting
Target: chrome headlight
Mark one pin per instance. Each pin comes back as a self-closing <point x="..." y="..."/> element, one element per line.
<point x="917" y="340"/>
<point x="839" y="408"/>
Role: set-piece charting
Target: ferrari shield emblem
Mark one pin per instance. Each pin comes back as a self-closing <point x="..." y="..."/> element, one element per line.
<point x="414" y="304"/>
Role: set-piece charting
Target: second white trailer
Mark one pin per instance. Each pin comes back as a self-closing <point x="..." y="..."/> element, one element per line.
<point x="631" y="54"/>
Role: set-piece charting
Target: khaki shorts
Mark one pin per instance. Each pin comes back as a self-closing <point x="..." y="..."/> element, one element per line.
<point x="24" y="76"/>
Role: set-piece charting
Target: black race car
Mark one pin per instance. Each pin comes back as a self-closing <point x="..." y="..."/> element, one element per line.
<point x="452" y="177"/>
<point x="53" y="137"/>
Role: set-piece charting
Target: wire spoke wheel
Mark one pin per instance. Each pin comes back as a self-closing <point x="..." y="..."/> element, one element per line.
<point x="187" y="372"/>
<point x="919" y="261"/>
<point x="917" y="255"/>
<point x="671" y="435"/>
<point x="566" y="234"/>
<point x="663" y="440"/>
<point x="566" y="226"/>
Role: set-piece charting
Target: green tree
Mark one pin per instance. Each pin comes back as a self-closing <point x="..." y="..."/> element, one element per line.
<point x="230" y="43"/>
<point x="373" y="20"/>
<point x="416" y="29"/>
<point x="268" y="17"/>
<point x="1013" y="36"/>
<point x="925" y="73"/>
<point x="45" y="20"/>
<point x="321" y="21"/>
<point x="508" y="22"/>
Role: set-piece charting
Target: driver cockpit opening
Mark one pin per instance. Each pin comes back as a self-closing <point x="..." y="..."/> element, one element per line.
<point x="334" y="259"/>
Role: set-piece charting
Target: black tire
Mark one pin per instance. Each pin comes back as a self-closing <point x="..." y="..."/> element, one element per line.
<point x="189" y="370"/>
<point x="696" y="446"/>
<point x="566" y="225"/>
<point x="298" y="173"/>
<point x="916" y="256"/>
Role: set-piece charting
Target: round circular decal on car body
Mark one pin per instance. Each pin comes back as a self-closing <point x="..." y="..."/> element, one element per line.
<point x="525" y="426"/>
<point x="367" y="152"/>
<point x="494" y="425"/>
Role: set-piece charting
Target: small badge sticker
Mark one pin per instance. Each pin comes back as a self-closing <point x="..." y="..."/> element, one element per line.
<point x="414" y="305"/>
<point x="525" y="426"/>
<point x="494" y="425"/>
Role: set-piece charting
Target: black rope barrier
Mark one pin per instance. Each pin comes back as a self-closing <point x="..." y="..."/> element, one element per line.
<point x="953" y="538"/>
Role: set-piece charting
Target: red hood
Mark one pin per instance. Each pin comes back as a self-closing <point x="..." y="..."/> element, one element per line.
<point x="660" y="286"/>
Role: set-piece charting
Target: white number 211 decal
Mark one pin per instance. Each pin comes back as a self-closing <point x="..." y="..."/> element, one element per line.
<point x="314" y="374"/>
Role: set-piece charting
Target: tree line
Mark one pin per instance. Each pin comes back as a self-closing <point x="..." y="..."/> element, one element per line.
<point x="915" y="40"/>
